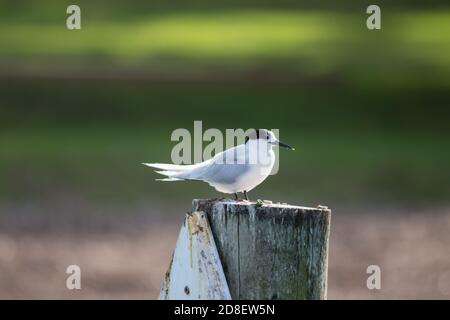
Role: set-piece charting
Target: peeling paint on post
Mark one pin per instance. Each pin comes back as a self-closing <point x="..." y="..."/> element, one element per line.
<point x="273" y="251"/>
<point x="195" y="271"/>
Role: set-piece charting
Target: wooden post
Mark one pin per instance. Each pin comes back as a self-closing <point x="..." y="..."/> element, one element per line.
<point x="273" y="251"/>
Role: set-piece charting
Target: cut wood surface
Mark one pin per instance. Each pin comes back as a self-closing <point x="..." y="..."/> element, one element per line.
<point x="273" y="251"/>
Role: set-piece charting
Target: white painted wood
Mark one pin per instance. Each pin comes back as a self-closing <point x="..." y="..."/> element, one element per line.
<point x="195" y="271"/>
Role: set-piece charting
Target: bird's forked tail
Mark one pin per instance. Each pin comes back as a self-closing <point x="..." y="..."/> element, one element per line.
<point x="173" y="172"/>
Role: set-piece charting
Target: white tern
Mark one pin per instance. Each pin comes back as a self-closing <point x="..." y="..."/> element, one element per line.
<point x="238" y="169"/>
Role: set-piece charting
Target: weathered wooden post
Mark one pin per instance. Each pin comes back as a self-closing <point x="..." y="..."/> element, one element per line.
<point x="273" y="251"/>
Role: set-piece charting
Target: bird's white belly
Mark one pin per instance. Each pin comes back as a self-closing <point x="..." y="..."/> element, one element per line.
<point x="249" y="179"/>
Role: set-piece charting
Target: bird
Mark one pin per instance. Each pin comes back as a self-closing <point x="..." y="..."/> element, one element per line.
<point x="236" y="170"/>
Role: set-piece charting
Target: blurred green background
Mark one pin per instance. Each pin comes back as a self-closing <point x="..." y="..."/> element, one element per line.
<point x="368" y="111"/>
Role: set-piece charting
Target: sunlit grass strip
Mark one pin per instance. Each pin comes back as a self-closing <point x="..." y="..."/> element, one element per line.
<point x="410" y="44"/>
<point x="226" y="34"/>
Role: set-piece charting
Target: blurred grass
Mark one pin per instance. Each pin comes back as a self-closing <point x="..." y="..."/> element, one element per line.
<point x="106" y="166"/>
<point x="310" y="43"/>
<point x="88" y="139"/>
<point x="367" y="110"/>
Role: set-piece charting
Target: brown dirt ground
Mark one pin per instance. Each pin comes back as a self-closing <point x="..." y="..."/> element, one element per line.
<point x="125" y="255"/>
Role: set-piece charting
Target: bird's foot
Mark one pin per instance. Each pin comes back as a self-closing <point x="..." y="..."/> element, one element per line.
<point x="246" y="199"/>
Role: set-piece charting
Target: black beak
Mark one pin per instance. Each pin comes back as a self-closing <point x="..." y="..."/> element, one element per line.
<point x="285" y="145"/>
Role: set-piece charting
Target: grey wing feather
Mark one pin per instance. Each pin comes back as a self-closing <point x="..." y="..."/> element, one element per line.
<point x="227" y="166"/>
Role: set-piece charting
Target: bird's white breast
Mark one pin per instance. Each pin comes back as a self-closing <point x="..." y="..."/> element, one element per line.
<point x="245" y="174"/>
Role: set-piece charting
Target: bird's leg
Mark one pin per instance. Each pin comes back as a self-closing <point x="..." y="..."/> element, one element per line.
<point x="236" y="195"/>
<point x="246" y="196"/>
